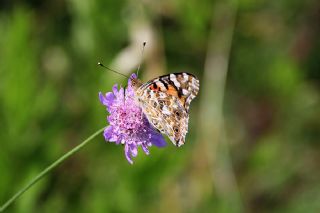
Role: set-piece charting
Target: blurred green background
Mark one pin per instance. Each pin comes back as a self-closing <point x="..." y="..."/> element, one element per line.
<point x="254" y="131"/>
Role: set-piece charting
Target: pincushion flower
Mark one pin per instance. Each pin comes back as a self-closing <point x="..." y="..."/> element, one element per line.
<point x="127" y="123"/>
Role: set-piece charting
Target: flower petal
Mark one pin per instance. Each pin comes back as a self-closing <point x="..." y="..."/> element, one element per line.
<point x="127" y="153"/>
<point x="108" y="131"/>
<point x="114" y="138"/>
<point x="115" y="89"/>
<point x="109" y="99"/>
<point x="120" y="95"/>
<point x="145" y="148"/>
<point x="157" y="139"/>
<point x="134" y="150"/>
<point x="102" y="98"/>
<point x="133" y="75"/>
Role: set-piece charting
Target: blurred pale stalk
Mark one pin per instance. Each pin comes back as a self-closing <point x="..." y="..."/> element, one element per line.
<point x="211" y="131"/>
<point x="141" y="30"/>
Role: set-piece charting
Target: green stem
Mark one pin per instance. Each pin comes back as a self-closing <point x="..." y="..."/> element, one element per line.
<point x="48" y="169"/>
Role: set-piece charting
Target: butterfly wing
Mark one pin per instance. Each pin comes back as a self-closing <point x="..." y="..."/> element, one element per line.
<point x="168" y="116"/>
<point x="184" y="86"/>
<point x="165" y="102"/>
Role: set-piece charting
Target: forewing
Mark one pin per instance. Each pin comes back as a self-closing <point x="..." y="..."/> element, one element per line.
<point x="183" y="86"/>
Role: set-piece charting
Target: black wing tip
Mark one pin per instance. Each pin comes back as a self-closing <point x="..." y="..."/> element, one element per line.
<point x="179" y="73"/>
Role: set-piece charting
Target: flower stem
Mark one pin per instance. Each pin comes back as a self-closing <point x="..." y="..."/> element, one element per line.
<point x="48" y="169"/>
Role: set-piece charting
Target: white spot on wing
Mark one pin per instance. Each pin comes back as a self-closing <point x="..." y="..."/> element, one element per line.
<point x="174" y="80"/>
<point x="185" y="92"/>
<point x="165" y="110"/>
<point x="185" y="76"/>
<point x="184" y="80"/>
<point x="161" y="85"/>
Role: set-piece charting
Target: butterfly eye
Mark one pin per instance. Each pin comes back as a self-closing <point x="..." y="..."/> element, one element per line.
<point x="155" y="104"/>
<point x="176" y="129"/>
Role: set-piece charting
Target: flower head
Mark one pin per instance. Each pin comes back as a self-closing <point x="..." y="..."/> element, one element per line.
<point x="127" y="123"/>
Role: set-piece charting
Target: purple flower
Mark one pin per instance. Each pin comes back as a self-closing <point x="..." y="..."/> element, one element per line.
<point x="127" y="123"/>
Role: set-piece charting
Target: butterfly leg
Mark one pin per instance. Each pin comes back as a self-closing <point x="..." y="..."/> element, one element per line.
<point x="124" y="94"/>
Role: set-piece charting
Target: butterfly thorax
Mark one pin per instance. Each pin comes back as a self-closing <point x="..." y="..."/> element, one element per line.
<point x="135" y="83"/>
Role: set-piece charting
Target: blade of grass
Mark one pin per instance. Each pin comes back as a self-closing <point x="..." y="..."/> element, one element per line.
<point x="48" y="169"/>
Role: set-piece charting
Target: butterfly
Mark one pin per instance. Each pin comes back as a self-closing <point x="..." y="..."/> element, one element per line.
<point x="165" y="101"/>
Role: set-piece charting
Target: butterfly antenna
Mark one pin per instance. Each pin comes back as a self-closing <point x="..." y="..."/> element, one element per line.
<point x="100" y="64"/>
<point x="143" y="45"/>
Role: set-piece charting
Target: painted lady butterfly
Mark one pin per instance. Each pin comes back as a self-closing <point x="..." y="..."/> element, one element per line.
<point x="166" y="100"/>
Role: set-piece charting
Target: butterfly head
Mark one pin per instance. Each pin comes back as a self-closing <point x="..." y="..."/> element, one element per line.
<point x="135" y="82"/>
